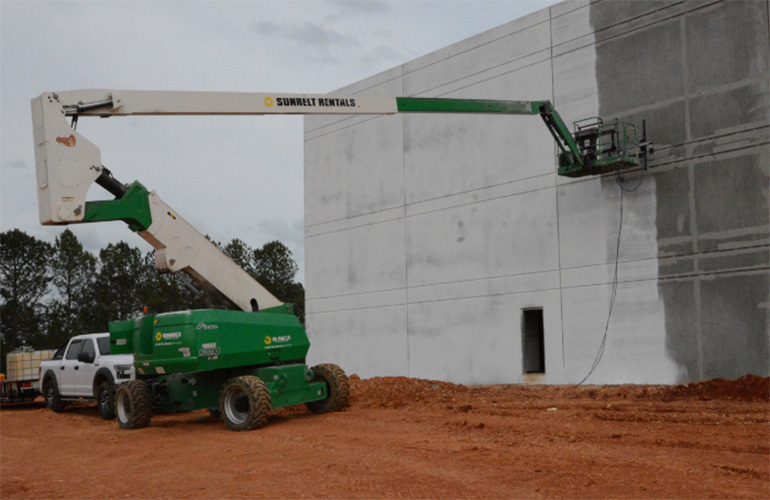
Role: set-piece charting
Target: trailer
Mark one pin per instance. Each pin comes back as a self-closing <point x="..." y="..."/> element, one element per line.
<point x="22" y="382"/>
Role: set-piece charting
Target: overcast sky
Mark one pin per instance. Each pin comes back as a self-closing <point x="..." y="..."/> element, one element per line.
<point x="231" y="177"/>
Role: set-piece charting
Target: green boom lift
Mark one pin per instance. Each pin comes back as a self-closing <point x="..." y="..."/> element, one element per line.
<point x="245" y="355"/>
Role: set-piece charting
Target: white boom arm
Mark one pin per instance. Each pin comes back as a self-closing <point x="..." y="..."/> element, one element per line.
<point x="150" y="102"/>
<point x="67" y="164"/>
<point x="180" y="247"/>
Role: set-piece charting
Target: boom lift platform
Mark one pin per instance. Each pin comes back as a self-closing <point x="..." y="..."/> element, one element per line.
<point x="242" y="362"/>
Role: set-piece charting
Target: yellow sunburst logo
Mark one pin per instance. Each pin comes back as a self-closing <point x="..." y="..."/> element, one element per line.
<point x="269" y="102"/>
<point x="268" y="340"/>
<point x="158" y="336"/>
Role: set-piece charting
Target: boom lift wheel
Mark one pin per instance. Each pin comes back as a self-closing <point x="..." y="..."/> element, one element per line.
<point x="337" y="388"/>
<point x="244" y="403"/>
<point x="133" y="405"/>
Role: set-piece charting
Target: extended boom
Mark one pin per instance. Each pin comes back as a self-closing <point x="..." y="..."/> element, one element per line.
<point x="67" y="164"/>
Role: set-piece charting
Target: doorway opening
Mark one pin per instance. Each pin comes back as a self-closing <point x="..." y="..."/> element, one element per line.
<point x="533" y="341"/>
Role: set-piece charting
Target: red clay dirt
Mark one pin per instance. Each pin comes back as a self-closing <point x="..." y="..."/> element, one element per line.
<point x="407" y="438"/>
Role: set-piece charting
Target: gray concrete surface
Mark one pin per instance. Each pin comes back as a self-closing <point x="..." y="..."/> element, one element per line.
<point x="427" y="236"/>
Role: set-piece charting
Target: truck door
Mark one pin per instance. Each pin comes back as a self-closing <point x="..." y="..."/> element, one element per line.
<point x="67" y="368"/>
<point x="84" y="372"/>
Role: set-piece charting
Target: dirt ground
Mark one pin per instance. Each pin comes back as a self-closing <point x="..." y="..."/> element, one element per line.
<point x="407" y="438"/>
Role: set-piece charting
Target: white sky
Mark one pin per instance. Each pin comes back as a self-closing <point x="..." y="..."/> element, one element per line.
<point x="228" y="176"/>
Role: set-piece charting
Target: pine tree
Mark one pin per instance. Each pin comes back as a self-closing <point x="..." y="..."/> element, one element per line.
<point x="116" y="295"/>
<point x="73" y="272"/>
<point x="240" y="253"/>
<point x="274" y="265"/>
<point x="24" y="279"/>
<point x="275" y="269"/>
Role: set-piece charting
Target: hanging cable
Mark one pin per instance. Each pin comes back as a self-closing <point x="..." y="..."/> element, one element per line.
<point x="619" y="180"/>
<point x="614" y="293"/>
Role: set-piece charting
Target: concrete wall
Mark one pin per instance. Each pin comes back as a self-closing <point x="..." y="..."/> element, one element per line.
<point x="428" y="235"/>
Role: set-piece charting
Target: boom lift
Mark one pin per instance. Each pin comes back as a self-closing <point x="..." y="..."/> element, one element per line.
<point x="242" y="362"/>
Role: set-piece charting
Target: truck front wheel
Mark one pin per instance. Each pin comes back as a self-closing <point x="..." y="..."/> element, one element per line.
<point x="244" y="403"/>
<point x="337" y="388"/>
<point x="133" y="405"/>
<point x="105" y="398"/>
<point x="52" y="396"/>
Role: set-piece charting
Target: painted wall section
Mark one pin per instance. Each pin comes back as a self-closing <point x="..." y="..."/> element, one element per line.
<point x="428" y="235"/>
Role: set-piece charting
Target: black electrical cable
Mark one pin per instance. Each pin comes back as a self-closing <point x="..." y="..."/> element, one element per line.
<point x="614" y="293"/>
<point x="620" y="181"/>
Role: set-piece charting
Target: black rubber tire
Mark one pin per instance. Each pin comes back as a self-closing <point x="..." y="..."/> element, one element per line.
<point x="52" y="397"/>
<point x="337" y="388"/>
<point x="133" y="405"/>
<point x="105" y="400"/>
<point x="215" y="413"/>
<point x="244" y="403"/>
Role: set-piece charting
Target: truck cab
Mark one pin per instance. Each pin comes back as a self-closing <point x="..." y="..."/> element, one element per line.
<point x="84" y="369"/>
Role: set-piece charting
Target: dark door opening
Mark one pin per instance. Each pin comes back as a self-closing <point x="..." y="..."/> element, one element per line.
<point x="533" y="342"/>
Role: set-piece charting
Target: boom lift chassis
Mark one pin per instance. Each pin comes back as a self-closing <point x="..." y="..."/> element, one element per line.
<point x="249" y="357"/>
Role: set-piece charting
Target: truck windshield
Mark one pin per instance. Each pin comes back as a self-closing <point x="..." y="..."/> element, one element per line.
<point x="104" y="345"/>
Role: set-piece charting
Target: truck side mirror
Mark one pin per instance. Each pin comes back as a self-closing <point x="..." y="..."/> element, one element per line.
<point x="86" y="357"/>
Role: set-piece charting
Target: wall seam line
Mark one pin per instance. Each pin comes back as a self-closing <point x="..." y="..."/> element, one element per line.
<point x="558" y="226"/>
<point x="406" y="235"/>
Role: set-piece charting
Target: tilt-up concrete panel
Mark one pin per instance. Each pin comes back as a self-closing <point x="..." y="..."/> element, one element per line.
<point x="364" y="182"/>
<point x="485" y="333"/>
<point x="368" y="341"/>
<point x="507" y="236"/>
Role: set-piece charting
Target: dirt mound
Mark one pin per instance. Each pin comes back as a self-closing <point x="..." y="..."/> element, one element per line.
<point x="397" y="392"/>
<point x="746" y="388"/>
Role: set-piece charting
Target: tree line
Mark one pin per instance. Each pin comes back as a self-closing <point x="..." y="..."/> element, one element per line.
<point x="51" y="292"/>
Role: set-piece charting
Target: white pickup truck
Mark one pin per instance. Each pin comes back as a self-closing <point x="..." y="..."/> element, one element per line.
<point x="84" y="369"/>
